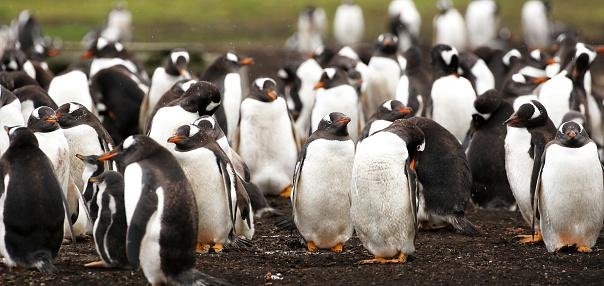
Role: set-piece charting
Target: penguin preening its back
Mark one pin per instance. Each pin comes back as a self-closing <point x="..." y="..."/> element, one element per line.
<point x="224" y="73"/>
<point x="15" y="60"/>
<point x="15" y="79"/>
<point x="388" y="112"/>
<point x="445" y="177"/>
<point x="32" y="97"/>
<point x="32" y="209"/>
<point x="161" y="238"/>
<point x="385" y="69"/>
<point x="176" y="91"/>
<point x="10" y="115"/>
<point x="348" y="23"/>
<point x="569" y="191"/>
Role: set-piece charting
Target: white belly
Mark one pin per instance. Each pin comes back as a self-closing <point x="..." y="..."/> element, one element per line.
<point x="342" y="99"/>
<point x="382" y="80"/>
<point x="519" y="166"/>
<point x="3" y="251"/>
<point x="309" y="73"/>
<point x="160" y="83"/>
<point x="55" y="146"/>
<point x="167" y="120"/>
<point x="71" y="87"/>
<point x="150" y="260"/>
<point x="378" y="125"/>
<point x="232" y="102"/>
<point x="555" y="96"/>
<point x="82" y="139"/>
<point x="133" y="185"/>
<point x="453" y="104"/>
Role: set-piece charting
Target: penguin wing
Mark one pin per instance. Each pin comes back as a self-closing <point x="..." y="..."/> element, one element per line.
<point x="298" y="173"/>
<point x="539" y="162"/>
<point x="413" y="189"/>
<point x="236" y="193"/>
<point x="145" y="208"/>
<point x="366" y="129"/>
<point x="293" y="127"/>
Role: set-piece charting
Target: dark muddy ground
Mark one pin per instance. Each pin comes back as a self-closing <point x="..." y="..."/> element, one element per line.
<point x="442" y="257"/>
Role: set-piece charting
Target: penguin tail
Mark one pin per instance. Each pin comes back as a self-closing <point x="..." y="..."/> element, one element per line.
<point x="286" y="224"/>
<point x="236" y="242"/>
<point x="42" y="260"/>
<point x="267" y="211"/>
<point x="463" y="225"/>
<point x="197" y="278"/>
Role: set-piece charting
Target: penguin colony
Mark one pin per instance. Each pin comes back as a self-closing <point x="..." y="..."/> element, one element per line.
<point x="382" y="146"/>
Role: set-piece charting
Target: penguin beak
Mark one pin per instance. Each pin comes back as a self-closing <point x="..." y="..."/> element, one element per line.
<point x="540" y="80"/>
<point x="388" y="42"/>
<point x="80" y="156"/>
<point x="246" y="61"/>
<point x="86" y="55"/>
<point x="52" y="119"/>
<point x="405" y="110"/>
<point x="175" y="139"/>
<point x="93" y="180"/>
<point x="272" y="94"/>
<point x="600" y="49"/>
<point x="412" y="164"/>
<point x="571" y="134"/>
<point x="58" y="115"/>
<point x="53" y="52"/>
<point x="109" y="155"/>
<point x="184" y="72"/>
<point x="550" y="61"/>
<point x="343" y="120"/>
<point x="319" y="85"/>
<point x="512" y="121"/>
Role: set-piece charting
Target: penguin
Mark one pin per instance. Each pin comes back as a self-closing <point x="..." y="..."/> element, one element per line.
<point x="31" y="207"/>
<point x="476" y="70"/>
<point x="348" y="60"/>
<point x="389" y="111"/>
<point x="267" y="141"/>
<point x="383" y="192"/>
<point x="569" y="191"/>
<point x="119" y="23"/>
<point x="85" y="135"/>
<point x="482" y="20"/>
<point x="529" y="130"/>
<point x="413" y="88"/>
<point x="164" y="77"/>
<point x="176" y="91"/>
<point x="452" y="96"/>
<point x="289" y="87"/>
<point x="334" y="93"/>
<point x="445" y="177"/>
<point x="106" y="53"/>
<point x="574" y="116"/>
<point x="405" y="22"/>
<point x="110" y="226"/>
<point x="92" y="168"/>
<point x="201" y="98"/>
<point x="71" y="86"/>
<point x="16" y="79"/>
<point x="160" y="238"/>
<point x="309" y="72"/>
<point x="348" y="23"/>
<point x="32" y="97"/>
<point x="220" y="195"/>
<point x="320" y="212"/>
<point x="486" y="152"/>
<point x="10" y="115"/>
<point x="312" y="26"/>
<point x="449" y="26"/>
<point x="385" y="70"/>
<point x="16" y="60"/>
<point x="224" y="72"/>
<point x="536" y="23"/>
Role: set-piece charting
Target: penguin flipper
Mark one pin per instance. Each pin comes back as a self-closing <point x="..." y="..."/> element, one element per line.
<point x="365" y="130"/>
<point x="539" y="162"/>
<point x="413" y="189"/>
<point x="297" y="174"/>
<point x="236" y="192"/>
<point x="145" y="208"/>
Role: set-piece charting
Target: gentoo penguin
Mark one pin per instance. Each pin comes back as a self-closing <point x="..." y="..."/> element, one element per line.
<point x="224" y="73"/>
<point x="482" y="20"/>
<point x="164" y="77"/>
<point x="348" y="23"/>
<point x="31" y="207"/>
<point x="16" y="60"/>
<point x="452" y="96"/>
<point x="110" y="225"/>
<point x="15" y="79"/>
<point x="348" y="60"/>
<point x="569" y="191"/>
<point x="71" y="86"/>
<point x="201" y="98"/>
<point x="389" y="111"/>
<point x="93" y="167"/>
<point x="309" y="72"/>
<point x="119" y="24"/>
<point x="413" y="88"/>
<point x="161" y="238"/>
<point x="106" y="53"/>
<point x="383" y="193"/>
<point x="536" y="23"/>
<point x="322" y="213"/>
<point x="85" y="135"/>
<point x="385" y="69"/>
<point x="529" y="130"/>
<point x="175" y="92"/>
<point x="449" y="26"/>
<point x="289" y="87"/>
<point x="486" y="152"/>
<point x="574" y="116"/>
<point x="32" y="97"/>
<point x="312" y="26"/>
<point x="267" y="140"/>
<point x="405" y="22"/>
<point x="335" y="94"/>
<point x="476" y="70"/>
<point x="445" y="177"/>
<point x="219" y="194"/>
<point x="10" y="115"/>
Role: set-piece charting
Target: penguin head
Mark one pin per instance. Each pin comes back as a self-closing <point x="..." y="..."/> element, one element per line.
<point x="188" y="137"/>
<point x="537" y="59"/>
<point x="21" y="136"/>
<point x="511" y="57"/>
<point x="13" y="60"/>
<point x="91" y="160"/>
<point x="444" y="5"/>
<point x="572" y="134"/>
<point x="387" y="43"/>
<point x="287" y="74"/>
<point x="392" y="110"/>
<point x="526" y="79"/>
<point x="445" y="59"/>
<point x="133" y="149"/>
<point x="207" y="122"/>
<point x="574" y="116"/>
<point x="264" y="89"/>
<point x="411" y="134"/>
<point x="528" y="115"/>
<point x="71" y="114"/>
<point x="108" y="180"/>
<point x="584" y="56"/>
<point x="348" y="65"/>
<point x="323" y="55"/>
<point x="231" y="62"/>
<point x="200" y="96"/>
<point x="104" y="48"/>
<point x="335" y="123"/>
<point x="181" y="86"/>
<point x="43" y="119"/>
<point x="332" y="77"/>
<point x="178" y="62"/>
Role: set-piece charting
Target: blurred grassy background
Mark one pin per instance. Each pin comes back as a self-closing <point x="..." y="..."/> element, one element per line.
<point x="245" y="22"/>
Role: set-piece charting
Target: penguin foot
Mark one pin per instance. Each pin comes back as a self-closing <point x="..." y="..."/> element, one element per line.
<point x="311" y="247"/>
<point x="96" y="264"/>
<point x="584" y="249"/>
<point x="402" y="258"/>
<point x="202" y="248"/>
<point x="338" y="248"/>
<point x="529" y="238"/>
<point x="217" y="247"/>
<point x="287" y="192"/>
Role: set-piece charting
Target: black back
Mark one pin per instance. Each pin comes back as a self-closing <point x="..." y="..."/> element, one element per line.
<point x="36" y="94"/>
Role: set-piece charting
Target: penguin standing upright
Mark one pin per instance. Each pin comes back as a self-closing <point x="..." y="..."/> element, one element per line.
<point x="449" y="26"/>
<point x="92" y="168"/>
<point x="482" y="19"/>
<point x="309" y="72"/>
<point x="219" y="194"/>
<point x="477" y="72"/>
<point x="10" y="115"/>
<point x="405" y="22"/>
<point x="388" y="112"/>
<point x="322" y="213"/>
<point x="529" y="130"/>
<point x="385" y="69"/>
<point x="383" y="193"/>
<point x="452" y="96"/>
<point x="106" y="53"/>
<point x="267" y="140"/>
<point x="335" y="94"/>
<point x="224" y="73"/>
<point x="71" y="86"/>
<point x="536" y="23"/>
<point x="569" y="190"/>
<point x="31" y="207"/>
<point x="110" y="226"/>
<point x="32" y="97"/>
<point x="348" y="23"/>
<point x="161" y="238"/>
<point x="414" y="86"/>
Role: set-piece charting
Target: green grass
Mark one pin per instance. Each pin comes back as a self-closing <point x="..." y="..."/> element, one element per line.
<point x="249" y="21"/>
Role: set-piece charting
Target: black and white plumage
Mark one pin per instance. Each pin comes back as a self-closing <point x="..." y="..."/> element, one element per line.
<point x="385" y="70"/>
<point x="405" y="22"/>
<point x="413" y="88"/>
<point x="32" y="97"/>
<point x="389" y="111"/>
<point x="449" y="26"/>
<point x="476" y="71"/>
<point x="309" y="72"/>
<point x="348" y="23"/>
<point x="92" y="168"/>
<point x="71" y="86"/>
<point x="106" y="53"/>
<point x="482" y="20"/>
<point x="10" y="115"/>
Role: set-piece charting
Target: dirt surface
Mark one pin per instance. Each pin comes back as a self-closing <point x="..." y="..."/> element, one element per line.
<point x="442" y="257"/>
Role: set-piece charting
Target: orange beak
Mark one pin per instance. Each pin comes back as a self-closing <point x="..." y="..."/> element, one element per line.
<point x="51" y="119"/>
<point x="272" y="94"/>
<point x="86" y="55"/>
<point x="571" y="134"/>
<point x="540" y="80"/>
<point x="108" y="155"/>
<point x="388" y="42"/>
<point x="93" y="180"/>
<point x="343" y="120"/>
<point x="53" y="52"/>
<point x="319" y="85"/>
<point x="405" y="110"/>
<point x="175" y="139"/>
<point x="412" y="164"/>
<point x="600" y="49"/>
<point x="550" y="61"/>
<point x="58" y="115"/>
<point x="246" y="61"/>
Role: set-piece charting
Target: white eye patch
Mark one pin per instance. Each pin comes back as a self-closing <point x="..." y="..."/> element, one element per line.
<point x="36" y="113"/>
<point x="582" y="49"/>
<point x="512" y="53"/>
<point x="194" y="130"/>
<point x="232" y="57"/>
<point x="259" y="82"/>
<point x="282" y="74"/>
<point x="185" y="86"/>
<point x="331" y="72"/>
<point x="388" y="105"/>
<point x="73" y="107"/>
<point x="39" y="49"/>
<point x="101" y="43"/>
<point x="129" y="142"/>
<point x="518" y="78"/>
<point x="174" y="56"/>
<point x="327" y="118"/>
<point x="536" y="112"/>
<point x="422" y="146"/>
<point x="119" y="47"/>
<point x="536" y="54"/>
<point x="447" y="55"/>
<point x="381" y="38"/>
<point x="349" y="53"/>
<point x="13" y="65"/>
<point x="212" y="105"/>
<point x="12" y="130"/>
